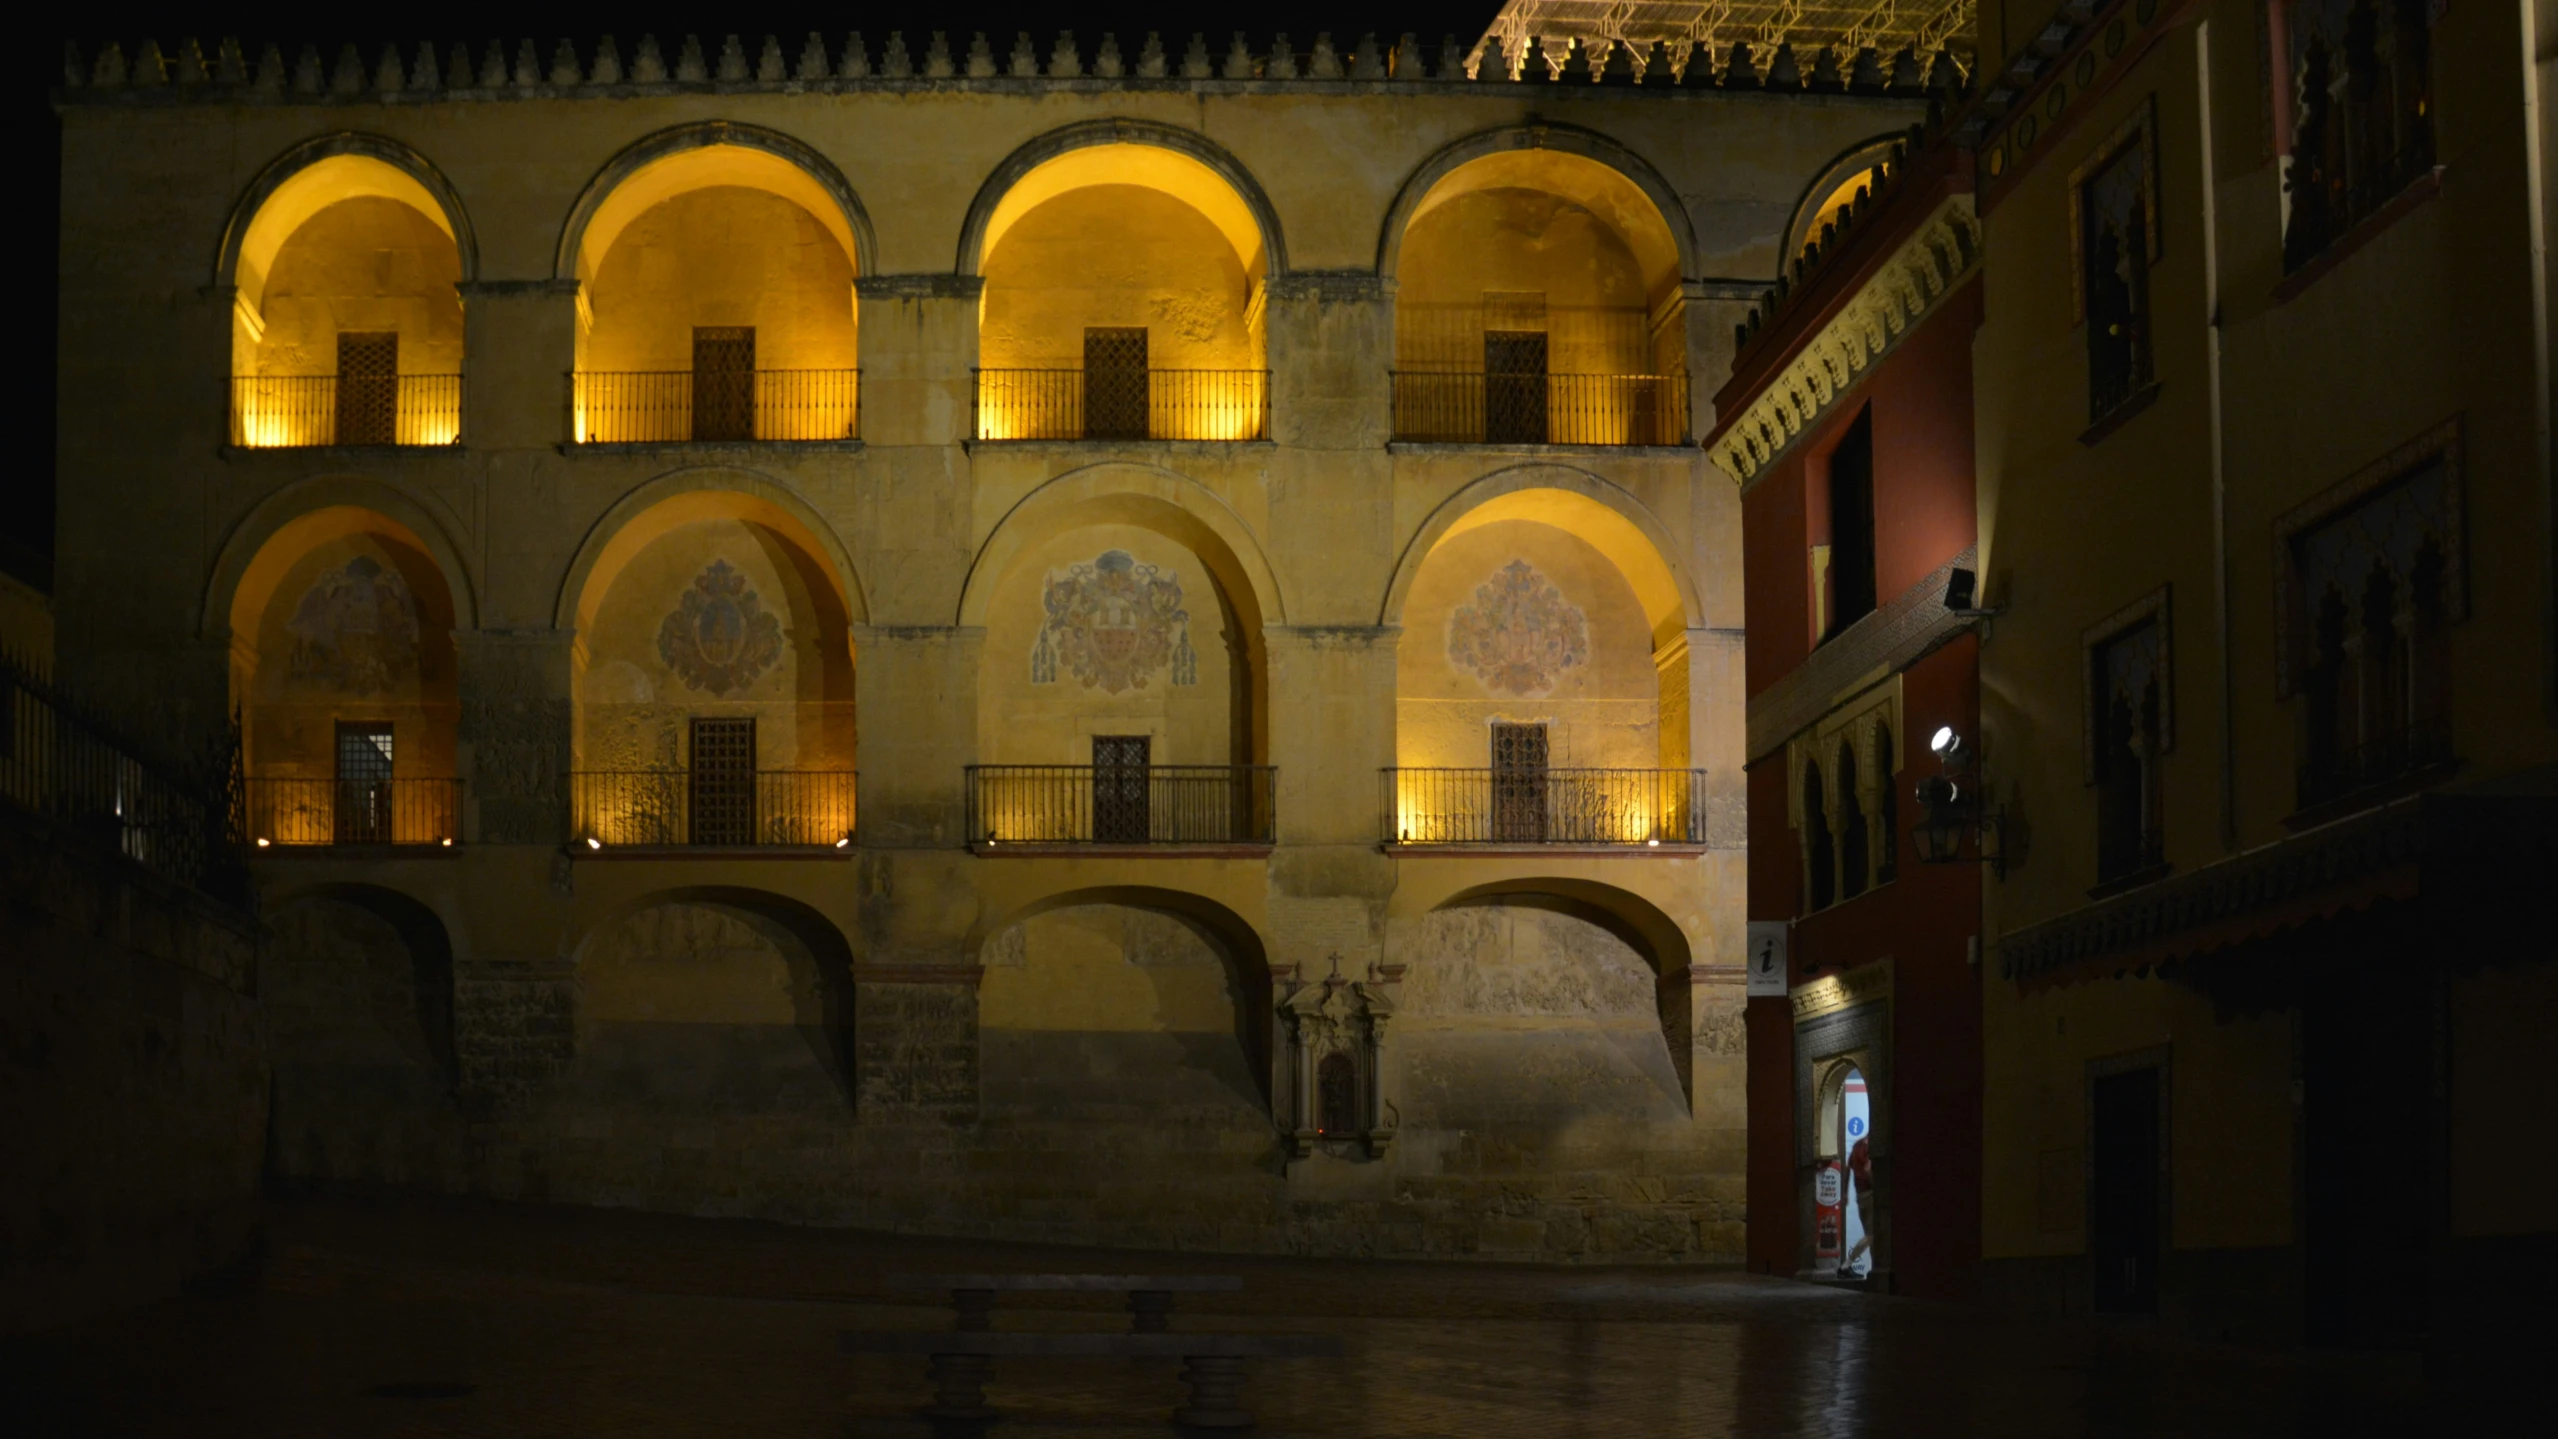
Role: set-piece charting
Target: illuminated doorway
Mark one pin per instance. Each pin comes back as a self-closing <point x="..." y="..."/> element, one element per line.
<point x="1854" y="1121"/>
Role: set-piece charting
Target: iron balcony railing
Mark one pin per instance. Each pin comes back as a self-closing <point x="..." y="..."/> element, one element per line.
<point x="298" y="411"/>
<point x="1123" y="405"/>
<point x="294" y="813"/>
<point x="1474" y="408"/>
<point x="2333" y="776"/>
<point x="1121" y="804"/>
<point x="619" y="407"/>
<point x="808" y="809"/>
<point x="1545" y="806"/>
<point x="64" y="768"/>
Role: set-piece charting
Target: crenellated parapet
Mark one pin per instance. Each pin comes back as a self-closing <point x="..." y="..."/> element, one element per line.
<point x="565" y="69"/>
<point x="1937" y="255"/>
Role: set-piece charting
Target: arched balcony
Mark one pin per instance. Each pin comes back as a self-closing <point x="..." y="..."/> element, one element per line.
<point x="713" y="681"/>
<point x="1122" y="698"/>
<point x="715" y="300"/>
<point x="343" y="671"/>
<point x="1542" y="689"/>
<point x="346" y="324"/>
<point x="1538" y="302"/>
<point x="1123" y="292"/>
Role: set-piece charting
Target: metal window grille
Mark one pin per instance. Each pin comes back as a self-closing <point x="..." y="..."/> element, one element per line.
<point x="368" y="398"/>
<point x="1120" y="812"/>
<point x="723" y="781"/>
<point x="1518" y="782"/>
<point x="1115" y="389"/>
<point x="1336" y="1095"/>
<point x="364" y="784"/>
<point x="723" y="382"/>
<point x="1514" y="388"/>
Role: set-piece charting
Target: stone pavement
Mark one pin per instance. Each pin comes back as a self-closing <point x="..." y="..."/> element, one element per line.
<point x="419" y="1318"/>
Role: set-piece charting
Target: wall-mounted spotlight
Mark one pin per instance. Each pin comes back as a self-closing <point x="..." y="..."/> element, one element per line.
<point x="1962" y="594"/>
<point x="1952" y="815"/>
<point x="593" y="843"/>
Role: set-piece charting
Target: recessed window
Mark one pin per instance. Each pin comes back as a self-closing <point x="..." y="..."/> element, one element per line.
<point x="2356" y="102"/>
<point x="1849" y="575"/>
<point x="2129" y="726"/>
<point x="2114" y="232"/>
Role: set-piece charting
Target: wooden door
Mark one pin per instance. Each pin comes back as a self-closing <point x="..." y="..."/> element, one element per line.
<point x="368" y="402"/>
<point x="1519" y="783"/>
<point x="1120" y="811"/>
<point x="2123" y="1204"/>
<point x="723" y="781"/>
<point x="1514" y="387"/>
<point x="723" y="382"/>
<point x="1115" y="384"/>
<point x="363" y="784"/>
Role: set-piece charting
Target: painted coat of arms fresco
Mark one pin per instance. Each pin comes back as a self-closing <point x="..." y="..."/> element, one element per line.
<point x="355" y="630"/>
<point x="719" y="637"/>
<point x="1520" y="634"/>
<point x="1114" y="622"/>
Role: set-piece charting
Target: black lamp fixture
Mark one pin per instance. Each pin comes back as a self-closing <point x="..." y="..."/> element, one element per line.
<point x="1953" y="817"/>
<point x="1962" y="594"/>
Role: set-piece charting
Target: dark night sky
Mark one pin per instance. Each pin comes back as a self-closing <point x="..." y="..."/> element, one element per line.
<point x="26" y="488"/>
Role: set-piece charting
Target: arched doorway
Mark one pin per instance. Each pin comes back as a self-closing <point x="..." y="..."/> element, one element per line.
<point x="356" y="991"/>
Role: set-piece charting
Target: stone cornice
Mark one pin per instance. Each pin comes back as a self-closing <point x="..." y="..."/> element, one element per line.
<point x="1909" y="625"/>
<point x="1941" y="252"/>
<point x="1337" y="287"/>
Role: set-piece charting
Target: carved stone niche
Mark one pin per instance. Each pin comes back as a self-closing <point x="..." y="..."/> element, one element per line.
<point x="1336" y="1035"/>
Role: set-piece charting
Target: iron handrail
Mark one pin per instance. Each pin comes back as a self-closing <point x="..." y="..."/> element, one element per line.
<point x="1576" y="806"/>
<point x="1122" y="804"/>
<point x="611" y="407"/>
<point x="683" y="808"/>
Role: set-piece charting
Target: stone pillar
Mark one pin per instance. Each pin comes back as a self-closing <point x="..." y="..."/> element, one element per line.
<point x="515" y="741"/>
<point x="919" y="356"/>
<point x="1714" y="308"/>
<point x="916" y="750"/>
<point x="1331" y="347"/>
<point x="519" y="345"/>
<point x="1718" y="742"/>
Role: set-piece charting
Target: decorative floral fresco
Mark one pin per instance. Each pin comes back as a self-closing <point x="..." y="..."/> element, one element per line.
<point x="355" y="630"/>
<point x="719" y="637"/>
<point x="1114" y="622"/>
<point x="1520" y="634"/>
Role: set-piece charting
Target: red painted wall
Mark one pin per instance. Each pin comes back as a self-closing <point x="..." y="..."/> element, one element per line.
<point x="1926" y="917"/>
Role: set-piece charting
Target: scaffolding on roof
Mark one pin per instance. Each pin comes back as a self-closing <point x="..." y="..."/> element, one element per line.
<point x="1923" y="26"/>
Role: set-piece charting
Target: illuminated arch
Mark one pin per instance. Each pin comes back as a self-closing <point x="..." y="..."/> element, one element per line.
<point x="1583" y="166"/>
<point x="682" y="497"/>
<point x="1171" y="504"/>
<point x="251" y="562"/>
<point x="321" y="172"/>
<point x="1831" y="186"/>
<point x="1603" y="514"/>
<point x="683" y="158"/>
<point x="1180" y="163"/>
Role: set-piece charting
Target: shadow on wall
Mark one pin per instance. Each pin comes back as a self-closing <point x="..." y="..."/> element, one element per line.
<point x="1538" y="1014"/>
<point x="357" y="992"/>
<point x="715" y="1003"/>
<point x="1104" y="1014"/>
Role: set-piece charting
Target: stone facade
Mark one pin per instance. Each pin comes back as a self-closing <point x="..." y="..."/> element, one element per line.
<point x="533" y="963"/>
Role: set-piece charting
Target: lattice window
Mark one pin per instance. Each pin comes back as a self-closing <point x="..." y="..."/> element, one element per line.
<point x="1519" y="753"/>
<point x="2114" y="238"/>
<point x="2373" y="578"/>
<point x="1115" y="383"/>
<point x="1337" y="1097"/>
<point x="1514" y="387"/>
<point x="2356" y="101"/>
<point x="722" y="779"/>
<point x="368" y="398"/>
<point x="364" y="753"/>
<point x="723" y="382"/>
<point x="1121" y="809"/>
<point x="2128" y="727"/>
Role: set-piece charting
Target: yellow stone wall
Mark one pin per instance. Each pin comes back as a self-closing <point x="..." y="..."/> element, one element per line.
<point x="365" y="264"/>
<point x="907" y="1032"/>
<point x="2268" y="395"/>
<point x="723" y="255"/>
